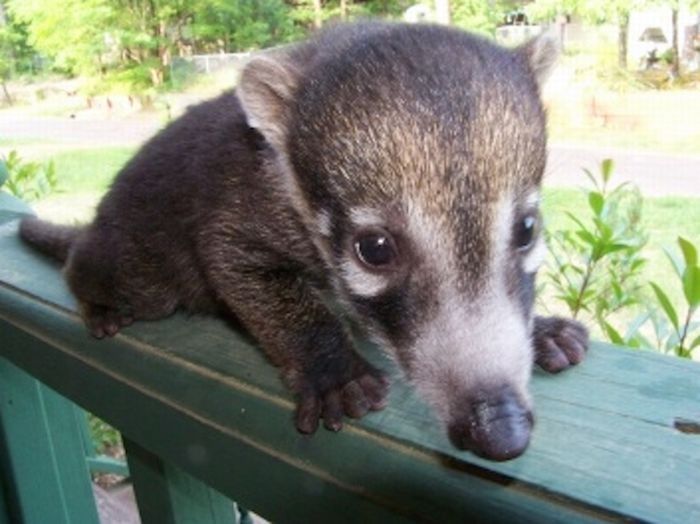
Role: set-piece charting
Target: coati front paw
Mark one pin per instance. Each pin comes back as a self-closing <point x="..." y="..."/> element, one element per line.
<point x="559" y="343"/>
<point x="102" y="321"/>
<point x="333" y="395"/>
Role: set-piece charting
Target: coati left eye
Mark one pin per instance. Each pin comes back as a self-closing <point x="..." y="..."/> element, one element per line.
<point x="525" y="231"/>
<point x="375" y="248"/>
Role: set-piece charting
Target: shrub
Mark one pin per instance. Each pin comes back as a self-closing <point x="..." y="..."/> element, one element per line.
<point x="595" y="264"/>
<point x="27" y="180"/>
<point x="596" y="267"/>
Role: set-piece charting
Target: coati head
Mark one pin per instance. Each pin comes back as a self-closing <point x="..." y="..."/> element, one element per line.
<point x="415" y="154"/>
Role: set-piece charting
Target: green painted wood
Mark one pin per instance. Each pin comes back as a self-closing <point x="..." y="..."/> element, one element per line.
<point x="44" y="466"/>
<point x="4" y="509"/>
<point x="97" y="463"/>
<point x="201" y="397"/>
<point x="167" y="495"/>
<point x="106" y="464"/>
<point x="11" y="207"/>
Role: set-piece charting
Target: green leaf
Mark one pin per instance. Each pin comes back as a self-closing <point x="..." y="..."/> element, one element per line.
<point x="666" y="305"/>
<point x="675" y="262"/>
<point x="612" y="334"/>
<point x="689" y="252"/>
<point x="576" y="220"/>
<point x="596" y="200"/>
<point x="691" y="285"/>
<point x="695" y="343"/>
<point x="586" y="236"/>
<point x="643" y="342"/>
<point x="635" y="325"/>
<point x="606" y="169"/>
<point x="592" y="178"/>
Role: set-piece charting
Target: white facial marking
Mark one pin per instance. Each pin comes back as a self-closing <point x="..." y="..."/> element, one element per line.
<point x="475" y="342"/>
<point x="434" y="240"/>
<point x="533" y="260"/>
<point x="365" y="216"/>
<point x="502" y="232"/>
<point x="533" y="199"/>
<point x="360" y="281"/>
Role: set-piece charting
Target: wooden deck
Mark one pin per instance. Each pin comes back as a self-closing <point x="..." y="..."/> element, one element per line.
<point x="616" y="439"/>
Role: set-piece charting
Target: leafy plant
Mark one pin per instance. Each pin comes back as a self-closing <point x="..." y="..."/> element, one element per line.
<point x="596" y="264"/>
<point x="102" y="434"/>
<point x="677" y="333"/>
<point x="27" y="180"/>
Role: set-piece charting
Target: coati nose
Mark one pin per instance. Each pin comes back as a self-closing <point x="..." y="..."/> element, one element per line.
<point x="495" y="426"/>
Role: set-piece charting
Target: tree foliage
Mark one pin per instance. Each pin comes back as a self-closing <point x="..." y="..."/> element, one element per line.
<point x="140" y="37"/>
<point x="15" y="52"/>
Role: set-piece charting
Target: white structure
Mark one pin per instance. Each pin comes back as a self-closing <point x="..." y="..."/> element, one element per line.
<point x="652" y="29"/>
<point x="419" y="13"/>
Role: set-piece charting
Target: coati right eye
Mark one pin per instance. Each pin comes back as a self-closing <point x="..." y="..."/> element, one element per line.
<point x="375" y="248"/>
<point x="526" y="231"/>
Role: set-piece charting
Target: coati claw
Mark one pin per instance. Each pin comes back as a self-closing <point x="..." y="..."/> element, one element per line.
<point x="353" y="399"/>
<point x="102" y="321"/>
<point x="559" y="343"/>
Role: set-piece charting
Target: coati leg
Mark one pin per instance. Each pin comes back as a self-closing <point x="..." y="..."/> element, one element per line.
<point x="310" y="345"/>
<point x="558" y="343"/>
<point x="103" y="321"/>
<point x="115" y="284"/>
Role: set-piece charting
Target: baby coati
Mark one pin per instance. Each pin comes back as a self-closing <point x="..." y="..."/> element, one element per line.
<point x="391" y="169"/>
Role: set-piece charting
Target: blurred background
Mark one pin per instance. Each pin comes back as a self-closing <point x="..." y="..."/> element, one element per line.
<point x="83" y="83"/>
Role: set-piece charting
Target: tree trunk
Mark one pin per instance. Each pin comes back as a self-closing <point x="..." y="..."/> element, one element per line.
<point x="7" y="93"/>
<point x="343" y="9"/>
<point x="442" y="11"/>
<point x="318" y="14"/>
<point x="623" y="31"/>
<point x="676" y="63"/>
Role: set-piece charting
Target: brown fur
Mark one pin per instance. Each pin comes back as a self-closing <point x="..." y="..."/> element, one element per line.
<point x="246" y="205"/>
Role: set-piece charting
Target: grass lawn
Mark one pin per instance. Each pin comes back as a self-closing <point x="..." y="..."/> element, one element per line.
<point x="84" y="175"/>
<point x="90" y="169"/>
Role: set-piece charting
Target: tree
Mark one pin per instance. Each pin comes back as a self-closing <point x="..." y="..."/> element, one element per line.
<point x="15" y="52"/>
<point x="676" y="7"/>
<point x="595" y="11"/>
<point x="133" y="41"/>
<point x="71" y="32"/>
<point x="482" y="16"/>
<point x="234" y="25"/>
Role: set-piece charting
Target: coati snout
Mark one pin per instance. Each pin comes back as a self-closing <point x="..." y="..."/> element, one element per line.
<point x="392" y="168"/>
<point x="494" y="423"/>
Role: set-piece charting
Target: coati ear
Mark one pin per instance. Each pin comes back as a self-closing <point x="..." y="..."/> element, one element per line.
<point x="266" y="90"/>
<point x="542" y="53"/>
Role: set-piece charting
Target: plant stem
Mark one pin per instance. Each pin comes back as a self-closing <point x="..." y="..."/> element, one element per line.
<point x="584" y="286"/>
<point x="681" y="350"/>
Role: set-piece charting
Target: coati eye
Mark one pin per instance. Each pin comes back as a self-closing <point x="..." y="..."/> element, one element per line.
<point x="525" y="231"/>
<point x="375" y="248"/>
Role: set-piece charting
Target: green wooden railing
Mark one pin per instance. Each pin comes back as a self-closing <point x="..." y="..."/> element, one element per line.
<point x="205" y="421"/>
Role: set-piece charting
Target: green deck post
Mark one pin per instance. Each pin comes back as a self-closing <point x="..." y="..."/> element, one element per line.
<point x="167" y="495"/>
<point x="98" y="463"/>
<point x="4" y="512"/>
<point x="43" y="464"/>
